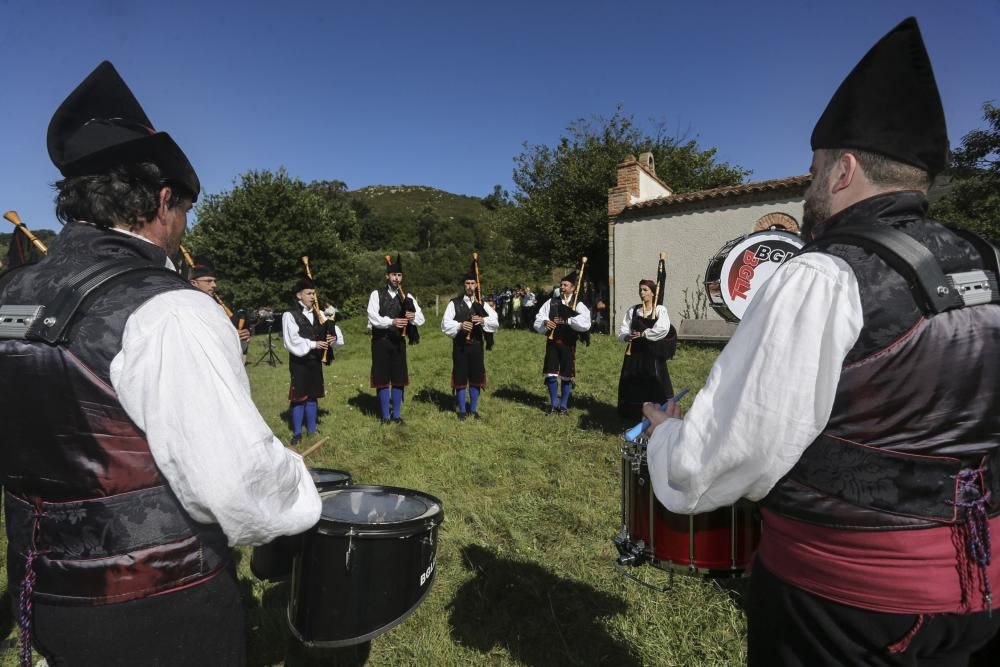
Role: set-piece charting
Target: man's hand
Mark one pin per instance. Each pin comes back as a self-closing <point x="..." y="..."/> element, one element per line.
<point x="550" y="325"/>
<point x="634" y="335"/>
<point x="244" y="334"/>
<point x="330" y="339"/>
<point x="466" y="326"/>
<point x="652" y="412"/>
<point x="558" y="320"/>
<point x="410" y="315"/>
<point x="322" y="344"/>
<point x="400" y="322"/>
<point x="477" y="319"/>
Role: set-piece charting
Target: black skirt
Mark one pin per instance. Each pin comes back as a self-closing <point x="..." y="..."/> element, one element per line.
<point x="307" y="377"/>
<point x="389" y="361"/>
<point x="644" y="378"/>
<point x="467" y="364"/>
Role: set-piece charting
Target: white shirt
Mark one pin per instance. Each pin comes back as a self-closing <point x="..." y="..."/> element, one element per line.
<point x="380" y="322"/>
<point x="450" y="327"/>
<point x="659" y="329"/>
<point x="580" y="322"/>
<point x="294" y="342"/>
<point x="180" y="378"/>
<point x="769" y="394"/>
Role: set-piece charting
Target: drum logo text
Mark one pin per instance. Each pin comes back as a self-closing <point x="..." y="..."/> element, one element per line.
<point x="426" y="574"/>
<point x="751" y="258"/>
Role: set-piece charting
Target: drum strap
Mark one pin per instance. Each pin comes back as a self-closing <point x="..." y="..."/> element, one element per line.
<point x="934" y="488"/>
<point x="934" y="290"/>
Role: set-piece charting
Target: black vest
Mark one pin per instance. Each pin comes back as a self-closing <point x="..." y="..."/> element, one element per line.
<point x="463" y="313"/>
<point x="75" y="466"/>
<point x="309" y="331"/>
<point x="918" y="402"/>
<point x="388" y="306"/>
<point x="564" y="333"/>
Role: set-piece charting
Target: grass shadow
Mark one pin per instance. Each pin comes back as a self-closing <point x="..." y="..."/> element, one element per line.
<point x="598" y="415"/>
<point x="444" y="401"/>
<point x="539" y="618"/>
<point x="518" y="394"/>
<point x="366" y="403"/>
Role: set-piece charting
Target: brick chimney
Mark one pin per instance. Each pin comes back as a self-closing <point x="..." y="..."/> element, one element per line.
<point x="637" y="181"/>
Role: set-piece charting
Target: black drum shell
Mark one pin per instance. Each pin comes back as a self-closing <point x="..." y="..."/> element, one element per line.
<point x="392" y="567"/>
<point x="273" y="561"/>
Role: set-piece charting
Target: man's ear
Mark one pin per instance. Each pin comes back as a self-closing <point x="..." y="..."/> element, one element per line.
<point x="844" y="173"/>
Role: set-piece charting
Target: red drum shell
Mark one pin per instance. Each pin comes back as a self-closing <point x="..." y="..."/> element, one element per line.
<point x="722" y="541"/>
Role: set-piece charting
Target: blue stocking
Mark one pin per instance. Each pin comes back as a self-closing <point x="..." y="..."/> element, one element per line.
<point x="312" y="407"/>
<point x="460" y="397"/>
<point x="397" y="402"/>
<point x="298" y="413"/>
<point x="474" y="396"/>
<point x="553" y="397"/>
<point x="567" y="389"/>
<point x="383" y="402"/>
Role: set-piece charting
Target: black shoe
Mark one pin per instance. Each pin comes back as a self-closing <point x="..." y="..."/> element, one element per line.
<point x="296" y="439"/>
<point x="461" y="416"/>
<point x="475" y="415"/>
<point x="551" y="411"/>
<point x="562" y="411"/>
<point x="385" y="421"/>
<point x="399" y="421"/>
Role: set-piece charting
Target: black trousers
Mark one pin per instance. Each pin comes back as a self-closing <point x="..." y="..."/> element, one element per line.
<point x="792" y="628"/>
<point x="201" y="626"/>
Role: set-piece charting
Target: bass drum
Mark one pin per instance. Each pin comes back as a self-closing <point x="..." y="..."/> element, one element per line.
<point x="365" y="566"/>
<point x="273" y="561"/>
<point x="736" y="273"/>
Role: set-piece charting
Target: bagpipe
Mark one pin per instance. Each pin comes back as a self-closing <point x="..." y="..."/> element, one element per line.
<point x="562" y="310"/>
<point x="19" y="252"/>
<point x="327" y="324"/>
<point x="406" y="303"/>
<point x="477" y="304"/>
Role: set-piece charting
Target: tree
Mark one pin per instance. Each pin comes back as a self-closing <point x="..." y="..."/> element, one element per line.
<point x="562" y="190"/>
<point x="258" y="233"/>
<point x="973" y="192"/>
<point x="427" y="223"/>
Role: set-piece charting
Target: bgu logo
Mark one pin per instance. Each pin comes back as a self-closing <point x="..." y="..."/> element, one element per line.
<point x="751" y="259"/>
<point x="426" y="574"/>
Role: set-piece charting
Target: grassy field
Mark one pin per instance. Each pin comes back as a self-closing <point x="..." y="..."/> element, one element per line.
<point x="524" y="568"/>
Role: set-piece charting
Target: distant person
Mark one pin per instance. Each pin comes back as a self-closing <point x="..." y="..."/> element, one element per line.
<point x="203" y="277"/>
<point x="467" y="322"/>
<point x="391" y="312"/>
<point x="558" y="318"/>
<point x="306" y="340"/>
<point x="644" y="377"/>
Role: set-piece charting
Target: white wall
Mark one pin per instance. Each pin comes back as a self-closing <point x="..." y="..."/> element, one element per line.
<point x="690" y="240"/>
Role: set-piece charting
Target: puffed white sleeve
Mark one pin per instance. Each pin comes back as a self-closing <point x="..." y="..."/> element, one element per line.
<point x="581" y="321"/>
<point x="769" y="393"/>
<point x="661" y="327"/>
<point x="625" y="330"/>
<point x="291" y="338"/>
<point x="418" y="315"/>
<point x="541" y="316"/>
<point x="449" y="327"/>
<point x="491" y="323"/>
<point x="180" y="378"/>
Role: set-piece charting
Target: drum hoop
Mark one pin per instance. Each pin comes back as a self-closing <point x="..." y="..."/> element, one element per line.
<point x="420" y="524"/>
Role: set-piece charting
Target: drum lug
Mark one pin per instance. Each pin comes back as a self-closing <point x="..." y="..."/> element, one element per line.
<point x="350" y="550"/>
<point x="629" y="552"/>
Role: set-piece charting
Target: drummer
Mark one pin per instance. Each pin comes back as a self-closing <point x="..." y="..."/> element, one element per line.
<point x="644" y="377"/>
<point x="837" y="362"/>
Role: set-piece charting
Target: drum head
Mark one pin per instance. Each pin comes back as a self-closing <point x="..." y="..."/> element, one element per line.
<point x="375" y="510"/>
<point x="749" y="263"/>
<point x="326" y="478"/>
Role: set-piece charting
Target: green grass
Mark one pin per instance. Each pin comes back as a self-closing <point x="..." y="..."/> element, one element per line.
<point x="524" y="569"/>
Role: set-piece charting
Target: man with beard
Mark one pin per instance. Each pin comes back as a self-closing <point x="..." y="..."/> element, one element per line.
<point x="466" y="321"/>
<point x="859" y="401"/>
<point x="132" y="454"/>
<point x="202" y="277"/>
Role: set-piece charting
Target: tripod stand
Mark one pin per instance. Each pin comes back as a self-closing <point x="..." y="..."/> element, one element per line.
<point x="269" y="356"/>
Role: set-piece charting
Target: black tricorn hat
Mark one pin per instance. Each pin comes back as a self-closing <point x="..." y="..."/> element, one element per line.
<point x="394" y="267"/>
<point x="570" y="278"/>
<point x="202" y="268"/>
<point x="890" y="105"/>
<point x="471" y="273"/>
<point x="304" y="283"/>
<point x="101" y="125"/>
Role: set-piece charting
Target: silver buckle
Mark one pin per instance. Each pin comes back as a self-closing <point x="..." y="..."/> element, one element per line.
<point x="16" y="320"/>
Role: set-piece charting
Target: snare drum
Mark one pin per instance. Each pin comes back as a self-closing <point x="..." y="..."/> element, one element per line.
<point x="717" y="543"/>
<point x="365" y="566"/>
<point x="273" y="561"/>
<point x="737" y="272"/>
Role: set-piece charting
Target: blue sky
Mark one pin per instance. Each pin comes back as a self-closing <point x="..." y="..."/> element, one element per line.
<point x="446" y="93"/>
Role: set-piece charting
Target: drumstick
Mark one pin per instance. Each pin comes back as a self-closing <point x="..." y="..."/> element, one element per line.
<point x="315" y="446"/>
<point x="633" y="433"/>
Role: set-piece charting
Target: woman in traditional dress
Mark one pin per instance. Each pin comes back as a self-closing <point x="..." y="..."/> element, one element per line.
<point x="645" y="330"/>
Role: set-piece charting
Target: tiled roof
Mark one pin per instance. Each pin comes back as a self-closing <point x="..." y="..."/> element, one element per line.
<point x="775" y="185"/>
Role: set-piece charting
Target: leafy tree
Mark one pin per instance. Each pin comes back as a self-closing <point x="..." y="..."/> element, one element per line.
<point x="973" y="197"/>
<point x="257" y="233"/>
<point x="562" y="190"/>
<point x="427" y="223"/>
<point x="496" y="199"/>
